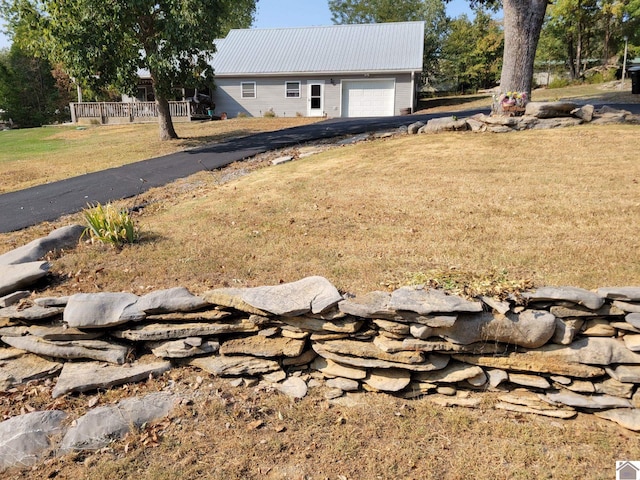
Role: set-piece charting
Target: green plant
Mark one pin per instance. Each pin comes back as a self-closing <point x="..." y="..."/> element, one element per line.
<point x="559" y="83"/>
<point x="270" y="113"/>
<point x="242" y="115"/>
<point x="107" y="224"/>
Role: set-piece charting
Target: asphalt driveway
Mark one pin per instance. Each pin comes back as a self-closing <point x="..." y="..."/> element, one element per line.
<point x="50" y="201"/>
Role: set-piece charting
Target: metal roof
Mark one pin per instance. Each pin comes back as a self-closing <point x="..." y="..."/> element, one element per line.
<point x="373" y="47"/>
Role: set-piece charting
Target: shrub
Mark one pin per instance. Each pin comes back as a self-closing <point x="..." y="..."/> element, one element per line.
<point x="270" y="113"/>
<point x="242" y="115"/>
<point x="108" y="225"/>
<point x="559" y="83"/>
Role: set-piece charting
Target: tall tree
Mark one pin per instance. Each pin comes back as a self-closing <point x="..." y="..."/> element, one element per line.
<point x="472" y="51"/>
<point x="432" y="12"/>
<point x="106" y="42"/>
<point x="522" y="25"/>
<point x="29" y="94"/>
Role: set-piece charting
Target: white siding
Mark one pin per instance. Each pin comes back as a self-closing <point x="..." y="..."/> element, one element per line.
<point x="270" y="94"/>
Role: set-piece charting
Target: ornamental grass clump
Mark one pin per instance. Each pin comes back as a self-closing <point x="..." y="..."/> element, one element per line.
<point x="107" y="224"/>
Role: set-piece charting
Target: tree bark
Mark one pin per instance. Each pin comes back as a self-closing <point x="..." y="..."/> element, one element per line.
<point x="167" y="132"/>
<point x="522" y="25"/>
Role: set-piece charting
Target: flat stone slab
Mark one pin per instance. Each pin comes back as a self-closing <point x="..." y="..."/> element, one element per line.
<point x="433" y="362"/>
<point x="626" y="294"/>
<point x="428" y="301"/>
<point x="632" y="342"/>
<point x="388" y="379"/>
<point x="592" y="351"/>
<point x="35" y="313"/>
<point x="575" y="295"/>
<point x="628" y="418"/>
<point x="169" y="331"/>
<point x="101" y="310"/>
<point x="25" y="439"/>
<point x="370" y="350"/>
<point x="576" y="400"/>
<point x="76" y="349"/>
<point x="533" y="361"/>
<point x="333" y="369"/>
<point x="533" y="381"/>
<point x="370" y="305"/>
<point x="260" y="346"/>
<point x="344" y="384"/>
<point x="177" y="299"/>
<point x="59" y="239"/>
<point x="628" y="307"/>
<point x="23" y="368"/>
<point x="633" y="319"/>
<point x="625" y="373"/>
<point x="529" y="329"/>
<point x="231" y="298"/>
<point x="103" y="425"/>
<point x="184" y="348"/>
<point x="85" y="376"/>
<point x="342" y="325"/>
<point x="62" y="333"/>
<point x="13" y="298"/>
<point x="448" y="401"/>
<point x="312" y="294"/>
<point x="201" y="316"/>
<point x="452" y="373"/>
<point x="235" y="366"/>
<point x="553" y="413"/>
<point x="20" y="276"/>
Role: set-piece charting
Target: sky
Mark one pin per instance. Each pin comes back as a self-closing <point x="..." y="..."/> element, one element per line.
<point x="299" y="13"/>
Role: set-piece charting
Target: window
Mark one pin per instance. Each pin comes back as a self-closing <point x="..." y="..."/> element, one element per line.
<point x="292" y="89"/>
<point x="248" y="89"/>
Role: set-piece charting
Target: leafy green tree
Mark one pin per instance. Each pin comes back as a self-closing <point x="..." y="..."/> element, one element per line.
<point x="432" y="12"/>
<point x="103" y="43"/>
<point x="472" y="52"/>
<point x="29" y="94"/>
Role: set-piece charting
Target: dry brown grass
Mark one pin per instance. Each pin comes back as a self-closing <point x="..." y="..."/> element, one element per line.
<point x="559" y="207"/>
<point x="68" y="151"/>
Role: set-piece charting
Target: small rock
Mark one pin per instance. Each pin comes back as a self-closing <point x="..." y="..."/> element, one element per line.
<point x="331" y="368"/>
<point x="388" y="380"/>
<point x="344" y="384"/>
<point x="293" y="387"/>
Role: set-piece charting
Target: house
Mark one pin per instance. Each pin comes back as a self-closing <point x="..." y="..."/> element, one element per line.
<point x="627" y="470"/>
<point x="367" y="70"/>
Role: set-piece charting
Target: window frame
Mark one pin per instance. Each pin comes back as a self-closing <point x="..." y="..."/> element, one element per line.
<point x="287" y="89"/>
<point x="242" y="91"/>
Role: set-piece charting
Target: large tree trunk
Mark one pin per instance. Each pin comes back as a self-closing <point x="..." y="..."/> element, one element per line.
<point x="167" y="132"/>
<point x="522" y="25"/>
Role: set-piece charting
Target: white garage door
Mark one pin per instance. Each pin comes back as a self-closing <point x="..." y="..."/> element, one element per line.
<point x="368" y="98"/>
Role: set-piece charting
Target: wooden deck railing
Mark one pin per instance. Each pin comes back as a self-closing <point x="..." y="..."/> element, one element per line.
<point x="125" y="112"/>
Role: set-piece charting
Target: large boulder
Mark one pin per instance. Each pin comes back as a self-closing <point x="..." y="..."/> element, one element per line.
<point x="550" y="109"/>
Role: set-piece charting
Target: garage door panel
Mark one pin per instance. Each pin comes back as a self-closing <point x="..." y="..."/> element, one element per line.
<point x="372" y="98"/>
